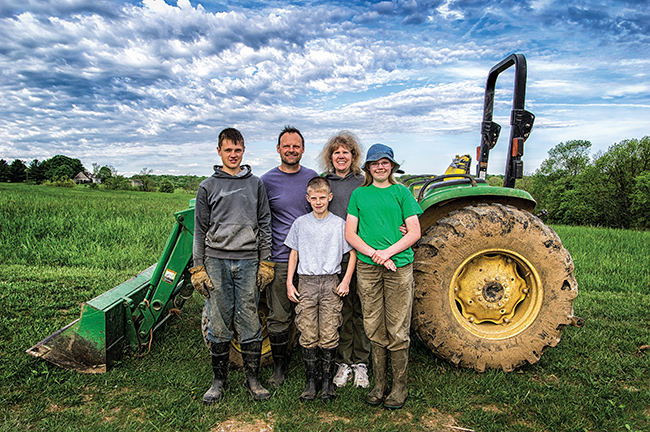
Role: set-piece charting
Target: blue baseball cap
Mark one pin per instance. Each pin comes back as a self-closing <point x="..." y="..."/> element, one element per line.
<point x="380" y="151"/>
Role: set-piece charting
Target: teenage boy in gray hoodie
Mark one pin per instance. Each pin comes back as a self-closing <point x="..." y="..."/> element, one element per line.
<point x="232" y="243"/>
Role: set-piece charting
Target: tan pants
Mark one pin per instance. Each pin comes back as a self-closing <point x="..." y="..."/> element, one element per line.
<point x="386" y="300"/>
<point x="318" y="315"/>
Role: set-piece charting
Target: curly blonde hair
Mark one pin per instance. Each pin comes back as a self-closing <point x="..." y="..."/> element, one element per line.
<point x="350" y="142"/>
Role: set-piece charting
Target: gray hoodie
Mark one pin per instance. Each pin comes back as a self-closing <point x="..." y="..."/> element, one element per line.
<point x="232" y="219"/>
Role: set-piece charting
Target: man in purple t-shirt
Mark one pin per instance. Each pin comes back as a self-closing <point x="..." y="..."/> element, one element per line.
<point x="286" y="187"/>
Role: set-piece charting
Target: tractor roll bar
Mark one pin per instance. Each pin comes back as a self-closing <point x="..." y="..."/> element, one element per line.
<point x="521" y="122"/>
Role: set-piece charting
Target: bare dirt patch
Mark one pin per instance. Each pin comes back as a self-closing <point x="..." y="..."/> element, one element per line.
<point x="630" y="388"/>
<point x="524" y="424"/>
<point x="491" y="408"/>
<point x="110" y="415"/>
<point x="330" y="418"/>
<point x="436" y="421"/>
<point x="545" y="379"/>
<point x="401" y="416"/>
<point x="137" y="414"/>
<point x="237" y="425"/>
<point x="54" y="408"/>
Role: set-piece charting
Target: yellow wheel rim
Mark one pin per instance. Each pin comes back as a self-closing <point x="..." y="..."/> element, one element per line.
<point x="495" y="294"/>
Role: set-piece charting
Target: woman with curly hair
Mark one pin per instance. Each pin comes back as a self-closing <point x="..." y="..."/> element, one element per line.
<point x="341" y="161"/>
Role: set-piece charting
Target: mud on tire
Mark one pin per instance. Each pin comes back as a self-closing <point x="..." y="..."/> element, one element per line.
<point x="494" y="287"/>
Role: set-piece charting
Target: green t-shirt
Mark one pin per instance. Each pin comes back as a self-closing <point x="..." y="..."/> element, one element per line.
<point x="381" y="211"/>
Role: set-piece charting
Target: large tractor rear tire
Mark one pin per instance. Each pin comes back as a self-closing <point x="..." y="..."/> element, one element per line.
<point x="494" y="287"/>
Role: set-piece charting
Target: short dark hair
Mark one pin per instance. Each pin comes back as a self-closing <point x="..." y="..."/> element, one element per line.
<point x="291" y="129"/>
<point x="231" y="134"/>
<point x="319" y="183"/>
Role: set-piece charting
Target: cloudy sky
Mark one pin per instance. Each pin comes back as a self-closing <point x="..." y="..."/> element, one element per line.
<point x="151" y="83"/>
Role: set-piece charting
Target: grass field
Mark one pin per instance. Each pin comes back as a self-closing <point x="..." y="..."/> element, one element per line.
<point x="62" y="247"/>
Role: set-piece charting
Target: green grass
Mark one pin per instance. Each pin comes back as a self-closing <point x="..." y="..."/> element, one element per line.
<point x="61" y="247"/>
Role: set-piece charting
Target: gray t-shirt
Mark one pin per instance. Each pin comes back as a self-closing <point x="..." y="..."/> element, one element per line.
<point x="320" y="244"/>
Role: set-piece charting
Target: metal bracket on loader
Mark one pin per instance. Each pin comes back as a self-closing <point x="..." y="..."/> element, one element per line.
<point x="521" y="122"/>
<point x="124" y="318"/>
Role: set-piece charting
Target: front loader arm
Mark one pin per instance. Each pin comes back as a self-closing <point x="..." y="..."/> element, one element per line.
<point x="124" y="318"/>
<point x="167" y="281"/>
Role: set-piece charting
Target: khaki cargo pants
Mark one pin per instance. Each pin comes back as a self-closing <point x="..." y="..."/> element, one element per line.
<point x="318" y="315"/>
<point x="386" y="300"/>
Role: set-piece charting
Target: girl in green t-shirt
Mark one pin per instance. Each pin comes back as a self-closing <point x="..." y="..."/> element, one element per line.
<point x="384" y="268"/>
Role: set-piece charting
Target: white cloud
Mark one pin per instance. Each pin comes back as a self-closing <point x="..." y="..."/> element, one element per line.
<point x="629" y="90"/>
<point x="151" y="83"/>
<point x="447" y="13"/>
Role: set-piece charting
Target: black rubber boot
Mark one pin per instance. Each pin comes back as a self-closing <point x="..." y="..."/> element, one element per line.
<point x="251" y="353"/>
<point x="279" y="351"/>
<point x="327" y="392"/>
<point x="379" y="370"/>
<point x="220" y="353"/>
<point x="310" y="357"/>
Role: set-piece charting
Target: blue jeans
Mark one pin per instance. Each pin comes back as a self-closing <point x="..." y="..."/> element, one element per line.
<point x="232" y="304"/>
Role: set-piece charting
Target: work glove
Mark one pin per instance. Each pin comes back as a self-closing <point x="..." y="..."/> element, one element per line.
<point x="201" y="280"/>
<point x="265" y="274"/>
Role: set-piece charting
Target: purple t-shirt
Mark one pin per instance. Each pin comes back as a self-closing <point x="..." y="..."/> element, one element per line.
<point x="287" y="200"/>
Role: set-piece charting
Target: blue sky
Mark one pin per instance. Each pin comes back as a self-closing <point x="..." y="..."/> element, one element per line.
<point x="151" y="83"/>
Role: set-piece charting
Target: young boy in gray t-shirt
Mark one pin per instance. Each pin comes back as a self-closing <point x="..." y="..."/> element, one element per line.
<point x="318" y="240"/>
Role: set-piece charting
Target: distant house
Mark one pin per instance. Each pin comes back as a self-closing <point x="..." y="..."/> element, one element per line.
<point x="136" y="183"/>
<point x="84" y="178"/>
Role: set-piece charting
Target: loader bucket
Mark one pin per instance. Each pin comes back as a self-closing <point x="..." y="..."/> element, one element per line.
<point x="125" y="318"/>
<point x="94" y="341"/>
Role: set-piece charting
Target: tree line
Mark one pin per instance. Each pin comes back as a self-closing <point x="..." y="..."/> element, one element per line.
<point x="610" y="189"/>
<point x="60" y="170"/>
<point x="37" y="172"/>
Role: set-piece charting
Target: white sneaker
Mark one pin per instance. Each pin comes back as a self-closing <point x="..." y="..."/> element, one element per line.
<point x="361" y="375"/>
<point x="343" y="375"/>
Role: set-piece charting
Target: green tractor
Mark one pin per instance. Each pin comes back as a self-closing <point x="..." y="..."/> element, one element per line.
<point x="494" y="285"/>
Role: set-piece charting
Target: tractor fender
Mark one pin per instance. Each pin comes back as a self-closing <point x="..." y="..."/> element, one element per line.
<point x="436" y="210"/>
